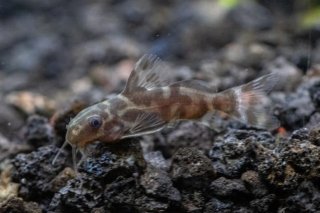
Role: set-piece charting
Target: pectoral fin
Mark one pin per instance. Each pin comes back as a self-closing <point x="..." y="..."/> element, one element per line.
<point x="145" y="123"/>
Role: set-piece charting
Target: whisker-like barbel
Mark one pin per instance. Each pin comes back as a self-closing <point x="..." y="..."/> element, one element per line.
<point x="74" y="159"/>
<point x="59" y="151"/>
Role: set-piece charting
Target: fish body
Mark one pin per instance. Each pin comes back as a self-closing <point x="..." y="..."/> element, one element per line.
<point x="149" y="102"/>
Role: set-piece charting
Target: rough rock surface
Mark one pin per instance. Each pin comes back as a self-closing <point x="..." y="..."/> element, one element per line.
<point x="191" y="169"/>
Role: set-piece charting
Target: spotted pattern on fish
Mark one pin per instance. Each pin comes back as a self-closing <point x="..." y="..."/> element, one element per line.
<point x="148" y="103"/>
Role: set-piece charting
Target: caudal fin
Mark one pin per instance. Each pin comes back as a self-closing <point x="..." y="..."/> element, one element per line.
<point x="247" y="102"/>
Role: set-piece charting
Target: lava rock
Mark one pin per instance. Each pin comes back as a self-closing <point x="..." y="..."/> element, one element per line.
<point x="62" y="178"/>
<point x="120" y="195"/>
<point x="124" y="195"/>
<point x="254" y="184"/>
<point x="295" y="110"/>
<point x="192" y="201"/>
<point x="191" y="168"/>
<point x="293" y="161"/>
<point x="217" y="206"/>
<point x="264" y="204"/>
<point x="158" y="184"/>
<point x="305" y="199"/>
<point x="314" y="136"/>
<point x="232" y="154"/>
<point x="180" y="136"/>
<point x="156" y="160"/>
<point x="109" y="179"/>
<point x="79" y="195"/>
<point x="314" y="91"/>
<point x="223" y="187"/>
<point x="34" y="172"/>
<point x="18" y="205"/>
<point x="113" y="160"/>
<point x="38" y="131"/>
<point x="314" y="121"/>
<point x="300" y="134"/>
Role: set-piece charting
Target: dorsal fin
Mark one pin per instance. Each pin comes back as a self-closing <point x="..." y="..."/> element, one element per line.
<point x="195" y="84"/>
<point x="149" y="72"/>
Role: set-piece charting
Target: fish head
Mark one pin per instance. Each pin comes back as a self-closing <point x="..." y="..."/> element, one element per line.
<point x="92" y="124"/>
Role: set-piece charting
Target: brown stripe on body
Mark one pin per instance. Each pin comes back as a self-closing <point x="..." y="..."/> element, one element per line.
<point x="180" y="103"/>
<point x="171" y="103"/>
<point x="154" y="100"/>
<point x="193" y="103"/>
<point x="225" y="102"/>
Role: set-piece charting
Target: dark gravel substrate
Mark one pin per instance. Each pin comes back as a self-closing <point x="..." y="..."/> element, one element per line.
<point x="57" y="57"/>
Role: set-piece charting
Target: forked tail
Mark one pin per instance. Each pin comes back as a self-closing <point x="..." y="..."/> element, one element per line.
<point x="247" y="102"/>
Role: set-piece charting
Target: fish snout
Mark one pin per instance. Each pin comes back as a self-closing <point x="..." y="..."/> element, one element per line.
<point x="73" y="133"/>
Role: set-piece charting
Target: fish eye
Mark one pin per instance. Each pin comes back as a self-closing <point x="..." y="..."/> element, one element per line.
<point x="95" y="121"/>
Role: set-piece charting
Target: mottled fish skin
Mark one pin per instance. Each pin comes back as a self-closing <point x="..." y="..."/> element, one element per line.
<point x="148" y="103"/>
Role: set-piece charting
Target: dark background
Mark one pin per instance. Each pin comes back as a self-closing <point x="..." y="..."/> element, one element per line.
<point x="59" y="48"/>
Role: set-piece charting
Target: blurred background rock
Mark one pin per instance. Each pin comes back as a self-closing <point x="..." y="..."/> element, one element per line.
<point x="54" y="50"/>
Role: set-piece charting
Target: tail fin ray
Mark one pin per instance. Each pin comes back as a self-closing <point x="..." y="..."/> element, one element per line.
<point x="248" y="102"/>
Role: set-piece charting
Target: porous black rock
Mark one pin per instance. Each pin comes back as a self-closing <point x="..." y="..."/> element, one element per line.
<point x="233" y="153"/>
<point x="181" y="136"/>
<point x="18" y="205"/>
<point x="156" y="159"/>
<point x="192" y="200"/>
<point x="38" y="131"/>
<point x="314" y="92"/>
<point x="79" y="195"/>
<point x="300" y="134"/>
<point x="191" y="169"/>
<point x="295" y="109"/>
<point x="105" y="165"/>
<point x="223" y="187"/>
<point x="254" y="184"/>
<point x="216" y="206"/>
<point x="125" y="195"/>
<point x="225" y="206"/>
<point x="157" y="183"/>
<point x="292" y="162"/>
<point x="35" y="171"/>
<point x="112" y="160"/>
<point x="314" y="135"/>
<point x="305" y="199"/>
<point x="264" y="204"/>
